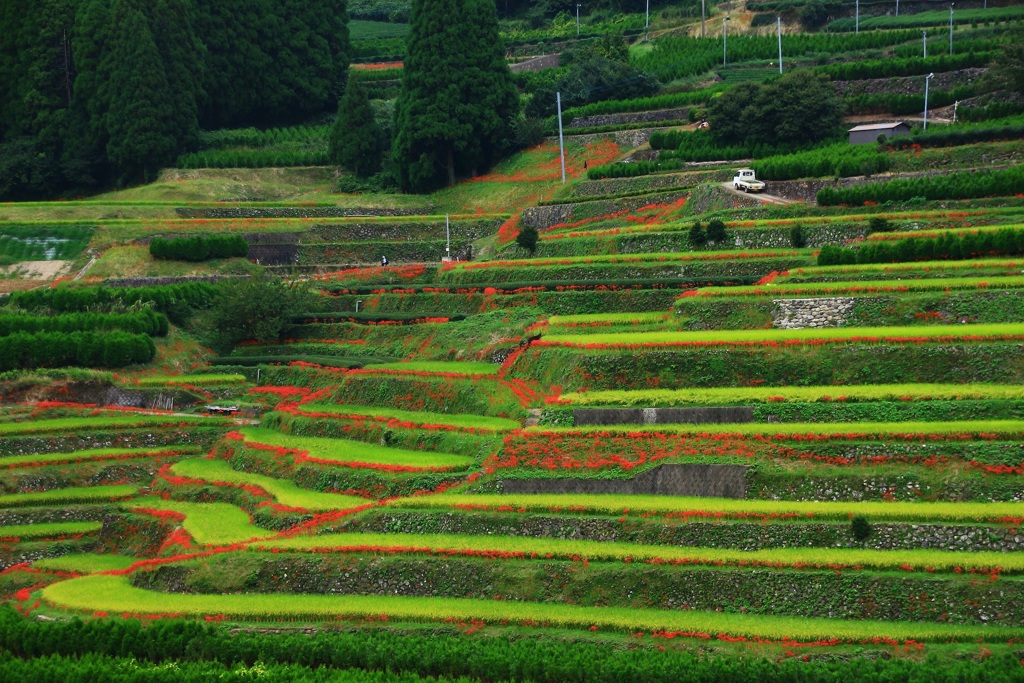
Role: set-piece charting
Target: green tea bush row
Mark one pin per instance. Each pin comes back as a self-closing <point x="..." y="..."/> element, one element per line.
<point x="145" y="321"/>
<point x="674" y="57"/>
<point x="899" y="105"/>
<point x="1007" y="242"/>
<point x="933" y="18"/>
<point x="632" y="169"/>
<point x="994" y="110"/>
<point x="256" y="158"/>
<point x="174" y="300"/>
<point x="951" y="137"/>
<point x="255" y="138"/>
<point x="89" y="349"/>
<point x="639" y="104"/>
<point x="285" y="359"/>
<point x="914" y="66"/>
<point x="956" y="185"/>
<point x="339" y="653"/>
<point x="840" y="161"/>
<point x="198" y="247"/>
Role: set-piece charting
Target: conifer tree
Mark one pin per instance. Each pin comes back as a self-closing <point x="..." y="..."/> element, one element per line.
<point x="357" y="142"/>
<point x="455" y="113"/>
<point x="140" y="121"/>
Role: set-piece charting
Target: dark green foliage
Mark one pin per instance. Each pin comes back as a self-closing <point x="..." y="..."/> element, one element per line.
<point x="177" y="301"/>
<point x="438" y="654"/>
<point x="257" y="308"/>
<point x="198" y="247"/>
<point x="527" y="238"/>
<point x="631" y="170"/>
<point x="144" y="322"/>
<point x="716" y="231"/>
<point x="1005" y="242"/>
<point x="841" y="161"/>
<point x="87" y="349"/>
<point x="797" y="108"/>
<point x="954" y="185"/>
<point x="860" y="528"/>
<point x="911" y="66"/>
<point x="953" y="137"/>
<point x="880" y="224"/>
<point x="797" y="238"/>
<point x="455" y="113"/>
<point x="696" y="235"/>
<point x="357" y="142"/>
<point x="638" y="104"/>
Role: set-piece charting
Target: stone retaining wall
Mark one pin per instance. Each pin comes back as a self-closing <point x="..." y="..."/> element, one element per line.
<point x="794" y="314"/>
<point x="682" y="113"/>
<point x="545" y="216"/>
<point x="651" y="416"/>
<point x="709" y="481"/>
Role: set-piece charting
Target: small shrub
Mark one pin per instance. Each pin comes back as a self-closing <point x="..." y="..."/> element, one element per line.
<point x="716" y="231"/>
<point x="860" y="528"/>
<point x="697" y="237"/>
<point x="797" y="238"/>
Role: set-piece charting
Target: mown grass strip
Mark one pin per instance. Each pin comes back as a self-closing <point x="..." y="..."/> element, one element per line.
<point x="348" y="452"/>
<point x="29" y="532"/>
<point x="542" y="548"/>
<point x="77" y="424"/>
<point x="43" y="459"/>
<point x="415" y="419"/>
<point x="819" y="394"/>
<point x="208" y="523"/>
<point x="603" y="319"/>
<point x="85" y="563"/>
<point x="845" y="335"/>
<point x="116" y="595"/>
<point x="860" y="287"/>
<point x="440" y="367"/>
<point x="703" y="508"/>
<point x="987" y="430"/>
<point x="285" y="492"/>
<point x="650" y="258"/>
<point x="212" y="380"/>
<point x="77" y="495"/>
<point x="911" y="266"/>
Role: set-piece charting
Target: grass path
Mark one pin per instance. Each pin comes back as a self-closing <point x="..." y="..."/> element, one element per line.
<point x="70" y="496"/>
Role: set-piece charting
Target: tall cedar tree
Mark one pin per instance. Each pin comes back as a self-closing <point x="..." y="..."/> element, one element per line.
<point x="458" y="103"/>
<point x="357" y="142"/>
<point x="140" y="124"/>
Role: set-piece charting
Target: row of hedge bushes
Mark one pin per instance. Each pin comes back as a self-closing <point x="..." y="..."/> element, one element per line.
<point x="198" y="247"/>
<point x="145" y="321"/>
<point x="1007" y="242"/>
<point x="915" y="66"/>
<point x="632" y="169"/>
<point x="327" y="361"/>
<point x="174" y="300"/>
<point x="950" y="137"/>
<point x="841" y="161"/>
<point x="957" y="185"/>
<point x="901" y="105"/>
<point x="22" y="350"/>
<point x="527" y="286"/>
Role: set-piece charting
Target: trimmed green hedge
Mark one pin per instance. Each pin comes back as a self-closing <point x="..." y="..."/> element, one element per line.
<point x="956" y="185"/>
<point x="143" y="322"/>
<point x="22" y="350"/>
<point x="198" y="247"/>
<point x="1005" y="242"/>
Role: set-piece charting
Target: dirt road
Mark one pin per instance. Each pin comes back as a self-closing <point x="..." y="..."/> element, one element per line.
<point x="760" y="196"/>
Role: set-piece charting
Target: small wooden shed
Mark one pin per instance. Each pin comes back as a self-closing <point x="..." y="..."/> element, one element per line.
<point x="869" y="132"/>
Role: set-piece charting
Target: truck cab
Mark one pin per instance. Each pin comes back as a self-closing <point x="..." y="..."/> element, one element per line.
<point x="745" y="180"/>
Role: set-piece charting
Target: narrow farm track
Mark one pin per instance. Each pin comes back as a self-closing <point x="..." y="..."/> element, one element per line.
<point x="759" y="196"/>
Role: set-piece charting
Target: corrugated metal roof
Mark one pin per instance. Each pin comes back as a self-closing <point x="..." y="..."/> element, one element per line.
<point x="877" y="126"/>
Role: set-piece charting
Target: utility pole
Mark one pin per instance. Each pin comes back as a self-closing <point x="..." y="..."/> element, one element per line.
<point x="725" y="38"/>
<point x="926" y="80"/>
<point x="951" y="29"/>
<point x="779" y="19"/>
<point x="577" y="21"/>
<point x="856" y="21"/>
<point x="897" y="8"/>
<point x="647" y="21"/>
<point x="701" y="18"/>
<point x="924" y="44"/>
<point x="448" y="237"/>
<point x="561" y="141"/>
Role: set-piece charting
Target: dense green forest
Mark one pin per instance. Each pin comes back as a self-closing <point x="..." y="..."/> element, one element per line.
<point x="94" y="92"/>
